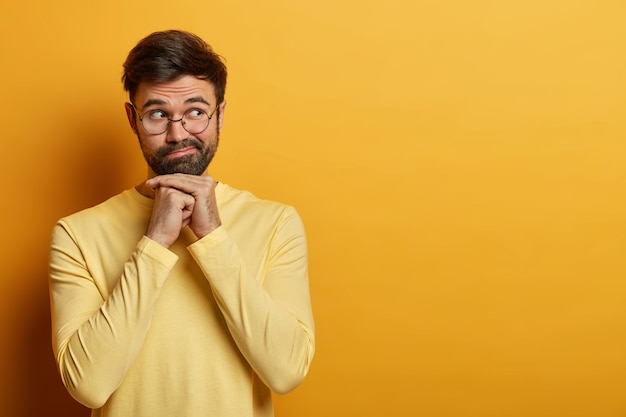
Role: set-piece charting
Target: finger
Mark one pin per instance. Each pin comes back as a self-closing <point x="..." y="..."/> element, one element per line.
<point x="187" y="202"/>
<point x="163" y="180"/>
<point x="190" y="184"/>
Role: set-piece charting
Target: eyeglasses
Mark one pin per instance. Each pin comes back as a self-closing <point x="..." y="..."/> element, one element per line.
<point x="156" y="122"/>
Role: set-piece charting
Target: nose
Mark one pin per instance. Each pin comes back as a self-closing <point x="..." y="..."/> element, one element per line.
<point x="175" y="131"/>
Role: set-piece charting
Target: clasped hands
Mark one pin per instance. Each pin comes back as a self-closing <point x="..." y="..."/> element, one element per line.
<point x="182" y="200"/>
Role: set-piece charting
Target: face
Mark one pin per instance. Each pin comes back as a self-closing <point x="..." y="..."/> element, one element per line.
<point x="176" y="150"/>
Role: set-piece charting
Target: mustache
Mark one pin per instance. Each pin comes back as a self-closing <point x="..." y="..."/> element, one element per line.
<point x="189" y="142"/>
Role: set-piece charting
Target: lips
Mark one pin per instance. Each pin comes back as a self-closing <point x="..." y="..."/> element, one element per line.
<point x="181" y="152"/>
<point x="185" y="147"/>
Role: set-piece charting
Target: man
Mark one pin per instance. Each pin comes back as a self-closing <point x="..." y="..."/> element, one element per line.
<point x="182" y="296"/>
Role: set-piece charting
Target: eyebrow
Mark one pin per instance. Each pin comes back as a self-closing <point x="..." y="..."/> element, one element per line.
<point x="190" y="100"/>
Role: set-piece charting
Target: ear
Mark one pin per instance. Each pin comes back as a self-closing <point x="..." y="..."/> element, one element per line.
<point x="220" y="121"/>
<point x="130" y="115"/>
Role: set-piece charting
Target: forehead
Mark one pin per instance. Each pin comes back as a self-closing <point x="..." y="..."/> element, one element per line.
<point x="175" y="92"/>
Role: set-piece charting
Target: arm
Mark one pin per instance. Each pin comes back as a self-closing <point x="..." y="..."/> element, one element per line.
<point x="97" y="335"/>
<point x="271" y="321"/>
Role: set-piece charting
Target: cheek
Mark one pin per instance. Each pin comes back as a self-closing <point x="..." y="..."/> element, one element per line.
<point x="147" y="145"/>
<point x="207" y="137"/>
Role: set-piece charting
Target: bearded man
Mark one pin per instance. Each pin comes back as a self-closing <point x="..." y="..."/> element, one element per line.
<point x="181" y="296"/>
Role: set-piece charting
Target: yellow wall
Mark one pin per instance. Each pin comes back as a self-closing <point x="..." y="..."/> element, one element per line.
<point x="459" y="166"/>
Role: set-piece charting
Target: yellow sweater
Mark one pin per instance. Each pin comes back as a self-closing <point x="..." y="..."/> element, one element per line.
<point x="207" y="327"/>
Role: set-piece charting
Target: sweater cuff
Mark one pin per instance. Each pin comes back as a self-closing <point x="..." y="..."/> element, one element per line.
<point x="210" y="246"/>
<point x="156" y="252"/>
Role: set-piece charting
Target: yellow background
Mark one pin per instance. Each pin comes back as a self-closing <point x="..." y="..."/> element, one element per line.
<point x="459" y="166"/>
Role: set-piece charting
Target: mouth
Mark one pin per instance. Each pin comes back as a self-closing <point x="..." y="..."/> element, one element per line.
<point x="181" y="152"/>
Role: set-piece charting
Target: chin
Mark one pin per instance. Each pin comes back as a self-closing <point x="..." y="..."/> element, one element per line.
<point x="189" y="166"/>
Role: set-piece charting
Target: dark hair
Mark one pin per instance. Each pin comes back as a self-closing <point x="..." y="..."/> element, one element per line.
<point x="165" y="56"/>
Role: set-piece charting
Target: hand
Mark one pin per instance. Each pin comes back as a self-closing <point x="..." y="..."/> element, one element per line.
<point x="204" y="216"/>
<point x="170" y="214"/>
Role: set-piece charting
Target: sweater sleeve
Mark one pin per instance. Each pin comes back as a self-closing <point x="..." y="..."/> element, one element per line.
<point x="98" y="331"/>
<point x="269" y="317"/>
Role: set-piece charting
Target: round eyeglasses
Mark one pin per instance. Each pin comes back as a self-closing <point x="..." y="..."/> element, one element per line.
<point x="156" y="122"/>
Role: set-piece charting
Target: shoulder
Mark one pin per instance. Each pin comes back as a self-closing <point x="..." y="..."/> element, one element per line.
<point x="241" y="206"/>
<point x="228" y="197"/>
<point x="120" y="206"/>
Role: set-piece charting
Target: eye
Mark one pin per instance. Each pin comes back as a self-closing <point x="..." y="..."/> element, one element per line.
<point x="157" y="115"/>
<point x="195" y="113"/>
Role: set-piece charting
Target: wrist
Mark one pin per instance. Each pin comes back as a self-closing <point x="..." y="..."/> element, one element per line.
<point x="161" y="240"/>
<point x="200" y="233"/>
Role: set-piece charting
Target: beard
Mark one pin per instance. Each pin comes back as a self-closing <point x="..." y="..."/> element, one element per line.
<point x="194" y="164"/>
